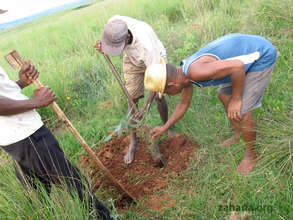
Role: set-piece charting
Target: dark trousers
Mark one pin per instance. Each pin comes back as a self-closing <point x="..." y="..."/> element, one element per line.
<point x="39" y="156"/>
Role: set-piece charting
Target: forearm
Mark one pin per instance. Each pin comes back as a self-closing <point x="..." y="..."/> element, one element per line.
<point x="236" y="70"/>
<point x="11" y="107"/>
<point x="150" y="99"/>
<point x="176" y="116"/>
<point x="238" y="80"/>
<point x="180" y="108"/>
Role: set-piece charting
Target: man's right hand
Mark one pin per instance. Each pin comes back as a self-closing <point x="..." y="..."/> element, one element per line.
<point x="43" y="97"/>
<point x="98" y="46"/>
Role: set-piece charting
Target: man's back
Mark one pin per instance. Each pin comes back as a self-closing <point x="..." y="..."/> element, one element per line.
<point x="255" y="51"/>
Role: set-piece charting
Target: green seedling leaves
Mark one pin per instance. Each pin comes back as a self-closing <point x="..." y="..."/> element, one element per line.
<point x="123" y="126"/>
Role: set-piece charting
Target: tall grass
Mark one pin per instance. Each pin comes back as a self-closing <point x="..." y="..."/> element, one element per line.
<point x="60" y="46"/>
<point x="17" y="203"/>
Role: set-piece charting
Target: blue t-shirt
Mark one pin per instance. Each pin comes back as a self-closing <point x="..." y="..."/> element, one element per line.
<point x="256" y="52"/>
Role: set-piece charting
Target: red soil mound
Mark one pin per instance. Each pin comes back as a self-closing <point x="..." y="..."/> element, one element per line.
<point x="142" y="177"/>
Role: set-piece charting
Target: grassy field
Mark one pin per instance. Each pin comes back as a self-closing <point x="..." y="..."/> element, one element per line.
<point x="61" y="46"/>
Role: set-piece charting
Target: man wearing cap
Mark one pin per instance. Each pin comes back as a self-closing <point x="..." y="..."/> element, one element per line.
<point x="242" y="65"/>
<point x="141" y="48"/>
<point x="34" y="149"/>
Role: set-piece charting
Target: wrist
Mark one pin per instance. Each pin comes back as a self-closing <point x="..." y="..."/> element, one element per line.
<point x="21" y="83"/>
<point x="165" y="127"/>
<point x="236" y="98"/>
<point x="35" y="103"/>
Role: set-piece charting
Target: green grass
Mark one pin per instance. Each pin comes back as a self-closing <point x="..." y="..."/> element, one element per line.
<point x="60" y="45"/>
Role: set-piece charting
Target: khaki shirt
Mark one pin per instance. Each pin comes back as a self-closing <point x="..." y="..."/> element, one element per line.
<point x="146" y="48"/>
<point x="14" y="128"/>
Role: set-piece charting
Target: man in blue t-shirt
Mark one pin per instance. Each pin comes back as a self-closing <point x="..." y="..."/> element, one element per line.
<point x="241" y="64"/>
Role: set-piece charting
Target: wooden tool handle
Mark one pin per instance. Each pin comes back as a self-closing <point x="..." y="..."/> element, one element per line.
<point x="15" y="59"/>
<point x="128" y="96"/>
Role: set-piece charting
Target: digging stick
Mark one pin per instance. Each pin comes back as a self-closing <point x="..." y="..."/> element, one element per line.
<point x="16" y="61"/>
<point x="129" y="98"/>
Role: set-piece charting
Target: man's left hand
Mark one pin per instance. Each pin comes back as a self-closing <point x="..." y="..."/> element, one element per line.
<point x="27" y="74"/>
<point x="234" y="109"/>
<point x="98" y="46"/>
<point x="157" y="132"/>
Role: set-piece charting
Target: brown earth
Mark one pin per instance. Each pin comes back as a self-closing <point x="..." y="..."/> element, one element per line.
<point x="143" y="177"/>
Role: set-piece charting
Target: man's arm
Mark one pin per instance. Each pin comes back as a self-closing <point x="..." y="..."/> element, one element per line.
<point x="12" y="107"/>
<point x="179" y="111"/>
<point x="207" y="68"/>
<point x="42" y="97"/>
<point x="147" y="106"/>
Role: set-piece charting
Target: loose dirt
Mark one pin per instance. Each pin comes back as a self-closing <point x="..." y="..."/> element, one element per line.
<point x="143" y="177"/>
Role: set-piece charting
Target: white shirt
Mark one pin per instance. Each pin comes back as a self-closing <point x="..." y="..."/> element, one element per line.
<point x="146" y="48"/>
<point x="14" y="128"/>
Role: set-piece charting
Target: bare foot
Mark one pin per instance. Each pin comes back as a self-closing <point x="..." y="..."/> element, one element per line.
<point x="247" y="163"/>
<point x="128" y="158"/>
<point x="230" y="141"/>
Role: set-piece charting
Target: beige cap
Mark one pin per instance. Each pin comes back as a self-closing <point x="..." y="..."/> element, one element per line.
<point x="155" y="77"/>
<point x="114" y="37"/>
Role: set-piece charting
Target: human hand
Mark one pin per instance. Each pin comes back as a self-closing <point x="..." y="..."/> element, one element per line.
<point x="157" y="132"/>
<point x="98" y="46"/>
<point x="27" y="74"/>
<point x="234" y="107"/>
<point x="43" y="97"/>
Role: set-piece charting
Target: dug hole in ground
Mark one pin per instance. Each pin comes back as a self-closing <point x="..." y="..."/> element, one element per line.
<point x="143" y="178"/>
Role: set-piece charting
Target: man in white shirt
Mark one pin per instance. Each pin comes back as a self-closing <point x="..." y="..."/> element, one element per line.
<point x="141" y="48"/>
<point x="34" y="149"/>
